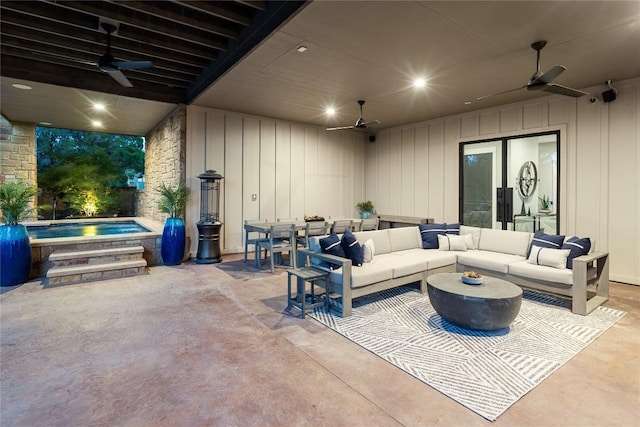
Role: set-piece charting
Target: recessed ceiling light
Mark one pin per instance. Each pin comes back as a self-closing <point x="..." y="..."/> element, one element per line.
<point x="301" y="49"/>
<point x="330" y="111"/>
<point x="96" y="123"/>
<point x="21" y="86"/>
<point x="46" y="123"/>
<point x="419" y="82"/>
<point x="98" y="106"/>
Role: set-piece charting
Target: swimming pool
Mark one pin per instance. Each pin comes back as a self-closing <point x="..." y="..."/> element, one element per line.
<point x="84" y="229"/>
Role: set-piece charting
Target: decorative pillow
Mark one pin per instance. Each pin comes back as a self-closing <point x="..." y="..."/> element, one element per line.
<point x="556" y="258"/>
<point x="453" y="228"/>
<point x="429" y="233"/>
<point x="331" y="245"/>
<point x="451" y="242"/>
<point x="577" y="247"/>
<point x="468" y="240"/>
<point x="544" y="240"/>
<point x="369" y="250"/>
<point x="352" y="248"/>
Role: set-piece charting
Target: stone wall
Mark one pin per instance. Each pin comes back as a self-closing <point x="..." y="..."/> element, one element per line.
<point x="18" y="152"/>
<point x="164" y="161"/>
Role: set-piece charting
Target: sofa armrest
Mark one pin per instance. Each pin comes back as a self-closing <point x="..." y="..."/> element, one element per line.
<point x="345" y="286"/>
<point x="581" y="302"/>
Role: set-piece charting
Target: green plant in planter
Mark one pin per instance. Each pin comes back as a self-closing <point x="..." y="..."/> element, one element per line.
<point x="365" y="208"/>
<point x="15" y="247"/>
<point x="545" y="203"/>
<point x="15" y="200"/>
<point x="173" y="202"/>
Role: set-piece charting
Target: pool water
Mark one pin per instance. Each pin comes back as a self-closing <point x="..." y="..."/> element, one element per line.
<point x="84" y="229"/>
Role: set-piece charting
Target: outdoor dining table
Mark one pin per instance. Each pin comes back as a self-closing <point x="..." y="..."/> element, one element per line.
<point x="265" y="227"/>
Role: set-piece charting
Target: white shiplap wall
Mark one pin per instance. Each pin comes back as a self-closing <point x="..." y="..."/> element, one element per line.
<point x="413" y="170"/>
<point x="293" y="169"/>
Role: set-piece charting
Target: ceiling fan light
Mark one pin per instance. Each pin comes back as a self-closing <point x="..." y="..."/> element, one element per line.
<point x="419" y="82"/>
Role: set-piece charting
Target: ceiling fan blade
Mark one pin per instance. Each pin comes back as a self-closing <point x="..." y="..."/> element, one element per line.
<point x="341" y="128"/>
<point x="370" y="122"/>
<point x="132" y="65"/>
<point x="563" y="90"/>
<point x="549" y="76"/>
<point x="120" y="78"/>
<point x="500" y="93"/>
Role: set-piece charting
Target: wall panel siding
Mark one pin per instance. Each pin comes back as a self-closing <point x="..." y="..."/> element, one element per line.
<point x="624" y="183"/>
<point x="407" y="161"/>
<point x="436" y="171"/>
<point x="230" y="202"/>
<point x="421" y="171"/>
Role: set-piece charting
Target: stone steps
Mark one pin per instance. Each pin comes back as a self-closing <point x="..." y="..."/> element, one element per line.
<point x="70" y="267"/>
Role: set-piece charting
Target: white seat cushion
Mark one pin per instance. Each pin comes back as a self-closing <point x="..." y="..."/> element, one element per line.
<point x="494" y="261"/>
<point x="400" y="264"/>
<point x="541" y="272"/>
<point x="433" y="257"/>
<point x="370" y="272"/>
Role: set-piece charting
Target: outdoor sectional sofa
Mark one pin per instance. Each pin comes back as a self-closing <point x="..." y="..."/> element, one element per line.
<point x="399" y="259"/>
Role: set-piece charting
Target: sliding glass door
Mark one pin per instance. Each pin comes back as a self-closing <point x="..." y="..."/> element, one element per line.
<point x="511" y="183"/>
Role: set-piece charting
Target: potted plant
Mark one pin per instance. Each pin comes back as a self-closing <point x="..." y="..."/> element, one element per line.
<point x="173" y="202"/>
<point x="365" y="208"/>
<point x="15" y="247"/>
<point x="545" y="204"/>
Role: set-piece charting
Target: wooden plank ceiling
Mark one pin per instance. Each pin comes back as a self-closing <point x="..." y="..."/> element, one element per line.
<point x="191" y="43"/>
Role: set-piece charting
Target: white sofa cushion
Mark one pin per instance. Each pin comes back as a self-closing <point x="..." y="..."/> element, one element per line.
<point x="505" y="241"/>
<point x="494" y="261"/>
<point x="369" y="250"/>
<point x="380" y="240"/>
<point x="541" y="272"/>
<point x="404" y="238"/>
<point x="433" y="257"/>
<point x="474" y="232"/>
<point x="370" y="272"/>
<point x="400" y="264"/>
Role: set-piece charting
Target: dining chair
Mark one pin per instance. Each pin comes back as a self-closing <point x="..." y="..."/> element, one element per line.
<point x="370" y="223"/>
<point x="312" y="228"/>
<point x="281" y="239"/>
<point x="339" y="225"/>
<point x="252" y="238"/>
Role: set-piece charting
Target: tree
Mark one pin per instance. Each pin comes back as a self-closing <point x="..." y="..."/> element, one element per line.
<point x="82" y="168"/>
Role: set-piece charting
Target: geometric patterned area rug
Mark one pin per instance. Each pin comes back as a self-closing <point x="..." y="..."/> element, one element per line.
<point x="485" y="371"/>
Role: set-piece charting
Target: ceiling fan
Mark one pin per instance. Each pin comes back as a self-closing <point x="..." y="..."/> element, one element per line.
<point x="542" y="81"/>
<point x="107" y="63"/>
<point x="360" y="123"/>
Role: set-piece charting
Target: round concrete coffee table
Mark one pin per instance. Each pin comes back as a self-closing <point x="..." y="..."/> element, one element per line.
<point x="489" y="306"/>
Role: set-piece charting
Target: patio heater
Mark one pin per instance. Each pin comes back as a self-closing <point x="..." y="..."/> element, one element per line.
<point x="209" y="224"/>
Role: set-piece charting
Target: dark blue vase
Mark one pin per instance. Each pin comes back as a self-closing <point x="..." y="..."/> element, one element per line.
<point x="15" y="255"/>
<point x="173" y="241"/>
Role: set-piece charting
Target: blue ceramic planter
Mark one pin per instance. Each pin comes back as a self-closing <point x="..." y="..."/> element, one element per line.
<point x="173" y="241"/>
<point x="365" y="214"/>
<point x="15" y="255"/>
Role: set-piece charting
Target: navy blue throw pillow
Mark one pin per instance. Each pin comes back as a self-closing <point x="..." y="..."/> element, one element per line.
<point x="352" y="248"/>
<point x="429" y="233"/>
<point x="453" y="228"/>
<point x="578" y="247"/>
<point x="544" y="240"/>
<point x="331" y="245"/>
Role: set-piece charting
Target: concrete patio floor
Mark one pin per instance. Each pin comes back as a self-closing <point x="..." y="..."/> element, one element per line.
<point x="193" y="346"/>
